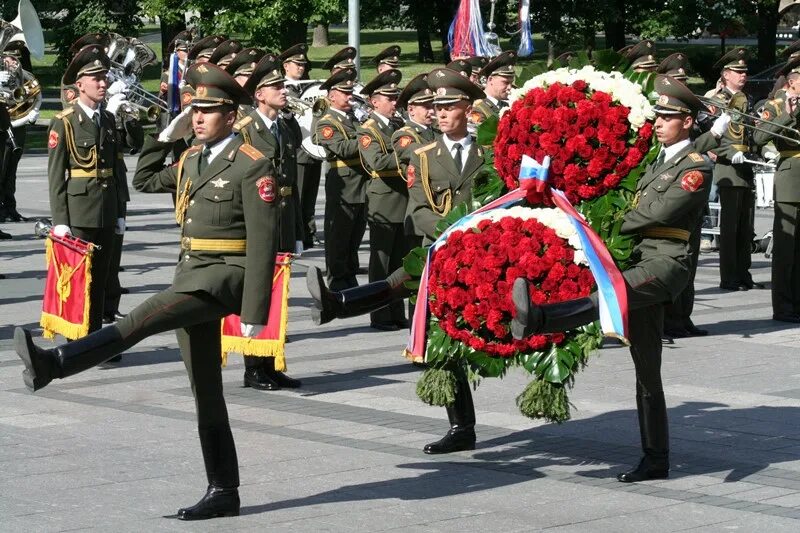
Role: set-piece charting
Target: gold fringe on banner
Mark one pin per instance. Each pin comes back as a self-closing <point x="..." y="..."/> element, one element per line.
<point x="53" y="324"/>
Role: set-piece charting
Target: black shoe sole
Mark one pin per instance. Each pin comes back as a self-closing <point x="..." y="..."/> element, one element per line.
<point x="256" y="386"/>
<point x="629" y="477"/>
<point x="209" y="516"/>
<point x="441" y="451"/>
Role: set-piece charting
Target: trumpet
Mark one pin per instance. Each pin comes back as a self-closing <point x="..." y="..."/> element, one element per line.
<point x="43" y="229"/>
<point x="737" y="108"/>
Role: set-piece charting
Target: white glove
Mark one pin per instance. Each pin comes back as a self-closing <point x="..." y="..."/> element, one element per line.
<point x="115" y="102"/>
<point x="298" y="247"/>
<point x="118" y="87"/>
<point x="180" y="127"/>
<point x="4" y="77"/>
<point x="771" y="156"/>
<point x="120" y="229"/>
<point x="33" y="117"/>
<point x="250" y="330"/>
<point x="738" y="158"/>
<point x="720" y="125"/>
<point x="61" y="230"/>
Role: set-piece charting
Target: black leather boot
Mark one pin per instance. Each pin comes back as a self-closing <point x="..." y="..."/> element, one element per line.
<point x="222" y="469"/>
<point x="461" y="435"/>
<point x="351" y="302"/>
<point x="42" y="366"/>
<point x="256" y="375"/>
<point x="654" y="432"/>
<point x="279" y="377"/>
<point x="531" y="319"/>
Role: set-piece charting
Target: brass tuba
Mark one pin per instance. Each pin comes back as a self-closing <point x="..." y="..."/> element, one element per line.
<point x="21" y="93"/>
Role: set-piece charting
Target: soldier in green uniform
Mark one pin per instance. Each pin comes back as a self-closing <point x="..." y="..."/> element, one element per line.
<point x="241" y="67"/>
<point x="439" y="176"/>
<point x="276" y="136"/>
<point x="225" y="52"/>
<point x="345" y="183"/>
<point x="734" y="178"/>
<point x="642" y="56"/>
<point x="309" y="168"/>
<point x="341" y="60"/>
<point x="416" y="99"/>
<point x="387" y="59"/>
<point x="227" y="208"/>
<point x="499" y="74"/>
<point x="785" y="111"/>
<point x="68" y="90"/>
<point x="671" y="195"/>
<point x="178" y="45"/>
<point x="387" y="194"/>
<point x="87" y="184"/>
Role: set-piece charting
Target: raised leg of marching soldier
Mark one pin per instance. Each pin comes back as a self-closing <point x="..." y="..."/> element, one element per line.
<point x="308" y="178"/>
<point x="736" y="236"/>
<point x="678" y="314"/>
<point x="195" y="317"/>
<point x="786" y="263"/>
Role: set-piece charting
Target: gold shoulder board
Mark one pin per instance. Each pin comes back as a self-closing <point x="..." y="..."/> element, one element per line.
<point x="697" y="158"/>
<point x="242" y="123"/>
<point x="251" y="152"/>
<point x="65" y="113"/>
<point x="425" y="148"/>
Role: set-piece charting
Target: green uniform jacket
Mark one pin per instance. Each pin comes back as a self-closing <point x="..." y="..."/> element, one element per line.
<point x="387" y="194"/>
<point x="787" y="175"/>
<point x="346" y="179"/>
<point x="87" y="182"/>
<point x="284" y="158"/>
<point x="735" y="139"/>
<point x="235" y="197"/>
<point x="670" y="197"/>
<point x="407" y="139"/>
<point x="435" y="186"/>
<point x="483" y="109"/>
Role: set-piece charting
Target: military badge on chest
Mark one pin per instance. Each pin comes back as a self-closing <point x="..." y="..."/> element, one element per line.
<point x="266" y="189"/>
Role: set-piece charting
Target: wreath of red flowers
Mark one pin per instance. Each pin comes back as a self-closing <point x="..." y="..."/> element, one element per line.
<point x="473" y="272"/>
<point x="586" y="134"/>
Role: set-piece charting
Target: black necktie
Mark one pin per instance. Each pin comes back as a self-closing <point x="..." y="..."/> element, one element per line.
<point x="275" y="132"/>
<point x="501" y="104"/>
<point x="204" y="155"/>
<point x="457" y="157"/>
<point x="97" y="119"/>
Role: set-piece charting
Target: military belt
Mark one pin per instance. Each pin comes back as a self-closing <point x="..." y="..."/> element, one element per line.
<point x="99" y="173"/>
<point x="285" y="191"/>
<point x="339" y="163"/>
<point x="214" y="245"/>
<point x="667" y="233"/>
<point x="741" y="147"/>
<point x="790" y="153"/>
<point x="385" y="174"/>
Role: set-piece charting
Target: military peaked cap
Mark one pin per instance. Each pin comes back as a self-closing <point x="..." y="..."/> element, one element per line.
<point x="386" y="83"/>
<point x="225" y="52"/>
<point x="675" y="98"/>
<point x="390" y="56"/>
<point x="344" y="58"/>
<point x="502" y="65"/>
<point x="416" y="92"/>
<point x="735" y="60"/>
<point x="295" y="54"/>
<point x="90" y="60"/>
<point x="449" y="87"/>
<point x="343" y="80"/>
<point x="244" y="62"/>
<point x="642" y="55"/>
<point x="461" y="66"/>
<point x="267" y="72"/>
<point x="205" y="47"/>
<point x="675" y="66"/>
<point x="213" y="86"/>
<point x="99" y="38"/>
<point x="180" y="42"/>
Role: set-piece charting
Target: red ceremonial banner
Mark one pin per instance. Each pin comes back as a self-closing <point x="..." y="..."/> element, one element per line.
<point x="65" y="305"/>
<point x="271" y="340"/>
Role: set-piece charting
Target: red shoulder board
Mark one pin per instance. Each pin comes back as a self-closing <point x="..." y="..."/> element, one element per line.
<point x="411" y="175"/>
<point x="692" y="180"/>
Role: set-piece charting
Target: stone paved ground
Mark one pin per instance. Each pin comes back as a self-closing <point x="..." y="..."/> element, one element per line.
<point x="115" y="448"/>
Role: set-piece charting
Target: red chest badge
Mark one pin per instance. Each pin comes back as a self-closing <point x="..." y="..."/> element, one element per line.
<point x="691" y="181"/>
<point x="52" y="141"/>
<point x="266" y="189"/>
<point x="327" y="132"/>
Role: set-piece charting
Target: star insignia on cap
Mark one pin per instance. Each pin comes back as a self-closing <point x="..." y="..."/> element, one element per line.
<point x="667" y="82"/>
<point x="252" y="52"/>
<point x="663" y="99"/>
<point x="440" y="74"/>
<point x="441" y="90"/>
<point x="202" y="69"/>
<point x="219" y="183"/>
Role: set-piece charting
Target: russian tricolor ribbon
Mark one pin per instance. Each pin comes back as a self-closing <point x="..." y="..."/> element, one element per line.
<point x="612" y="293"/>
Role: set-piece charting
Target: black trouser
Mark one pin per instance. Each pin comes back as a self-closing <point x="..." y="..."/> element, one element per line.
<point x="308" y="177"/>
<point x="345" y="224"/>
<point x="113" y="292"/>
<point x="786" y="259"/>
<point x="387" y="248"/>
<point x="101" y="263"/>
<point x="678" y="314"/>
<point x="735" y="234"/>
<point x="8" y="169"/>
